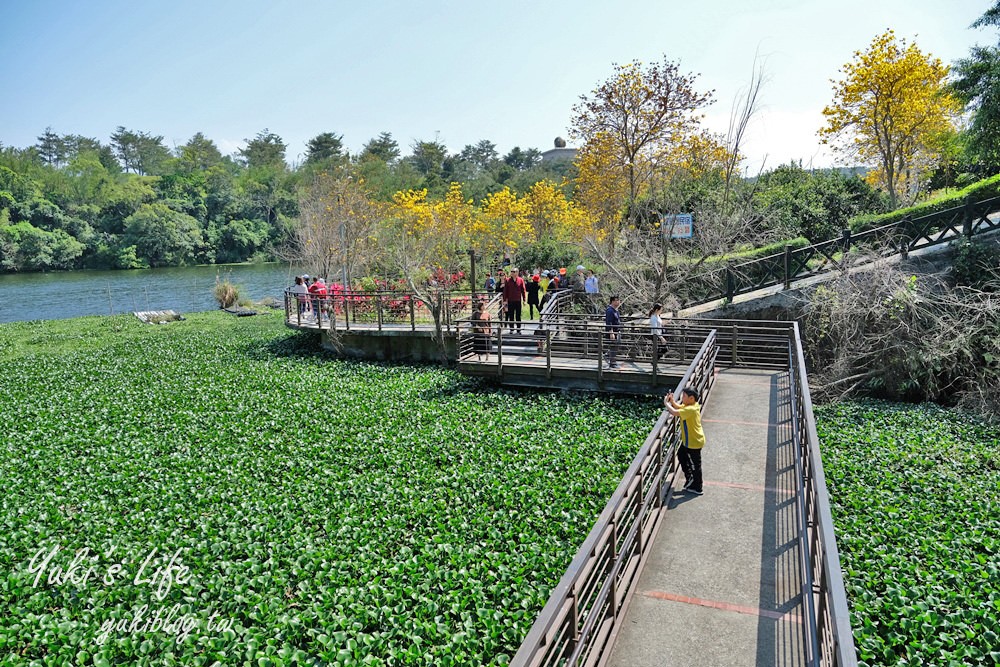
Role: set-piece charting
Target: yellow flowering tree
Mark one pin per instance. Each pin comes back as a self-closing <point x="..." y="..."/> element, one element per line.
<point x="503" y="224"/>
<point x="891" y="111"/>
<point x="554" y="216"/>
<point x="635" y="114"/>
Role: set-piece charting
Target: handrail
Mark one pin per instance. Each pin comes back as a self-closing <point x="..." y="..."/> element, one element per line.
<point x="379" y="308"/>
<point x="900" y="236"/>
<point x="830" y="641"/>
<point x="579" y="617"/>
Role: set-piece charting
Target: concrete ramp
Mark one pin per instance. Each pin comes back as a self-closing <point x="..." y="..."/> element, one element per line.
<point x="721" y="586"/>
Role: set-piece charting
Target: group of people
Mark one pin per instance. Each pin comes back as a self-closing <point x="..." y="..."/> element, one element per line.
<point x="535" y="290"/>
<point x="310" y="294"/>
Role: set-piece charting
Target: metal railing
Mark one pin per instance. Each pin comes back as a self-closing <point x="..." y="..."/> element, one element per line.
<point x="575" y="625"/>
<point x="583" y="609"/>
<point x="829" y="640"/>
<point x="899" y="237"/>
<point x="373" y="310"/>
<point x="579" y="340"/>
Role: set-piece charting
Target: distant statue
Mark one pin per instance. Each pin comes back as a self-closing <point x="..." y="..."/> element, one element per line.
<point x="560" y="142"/>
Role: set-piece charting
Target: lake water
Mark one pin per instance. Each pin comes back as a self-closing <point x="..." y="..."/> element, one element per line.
<point x="49" y="296"/>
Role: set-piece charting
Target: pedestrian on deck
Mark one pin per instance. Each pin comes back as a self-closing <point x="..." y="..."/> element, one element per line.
<point x="590" y="284"/>
<point x="318" y="290"/>
<point x="490" y="285"/>
<point x="482" y="331"/>
<point x="300" y="291"/>
<point x="613" y="329"/>
<point x="533" y="287"/>
<point x="692" y="437"/>
<point x="514" y="293"/>
<point x="656" y="329"/>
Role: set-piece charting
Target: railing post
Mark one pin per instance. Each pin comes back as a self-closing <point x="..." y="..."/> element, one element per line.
<point x="734" y="344"/>
<point x="845" y="240"/>
<point x="548" y="354"/>
<point x="967" y="218"/>
<point x="500" y="350"/>
<point x="413" y="317"/>
<point x="788" y="266"/>
<point x="730" y="285"/>
<point x="347" y="313"/>
<point x="378" y="310"/>
<point x="600" y="357"/>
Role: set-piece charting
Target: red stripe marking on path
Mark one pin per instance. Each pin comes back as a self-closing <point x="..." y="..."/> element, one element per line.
<point x="792" y="616"/>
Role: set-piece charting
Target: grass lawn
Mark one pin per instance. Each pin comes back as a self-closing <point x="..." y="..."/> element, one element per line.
<point x="231" y="496"/>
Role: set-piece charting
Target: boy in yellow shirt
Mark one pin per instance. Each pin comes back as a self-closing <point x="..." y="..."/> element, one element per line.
<point x="692" y="436"/>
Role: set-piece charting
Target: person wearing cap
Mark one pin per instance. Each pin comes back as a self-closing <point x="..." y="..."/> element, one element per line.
<point x="532" y="288"/>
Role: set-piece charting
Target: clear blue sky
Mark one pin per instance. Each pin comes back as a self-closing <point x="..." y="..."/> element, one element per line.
<point x="508" y="71"/>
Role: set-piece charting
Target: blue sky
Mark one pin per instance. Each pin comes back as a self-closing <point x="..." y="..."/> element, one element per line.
<point x="459" y="72"/>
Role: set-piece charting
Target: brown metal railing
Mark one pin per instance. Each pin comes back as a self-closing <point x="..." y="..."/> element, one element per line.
<point x="829" y="640"/>
<point x="575" y="625"/>
<point x="373" y="310"/>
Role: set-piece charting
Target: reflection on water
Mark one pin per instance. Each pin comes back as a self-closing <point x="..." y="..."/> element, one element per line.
<point x="47" y="296"/>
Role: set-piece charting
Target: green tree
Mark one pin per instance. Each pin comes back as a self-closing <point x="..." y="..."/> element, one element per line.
<point x="24" y="247"/>
<point x="977" y="85"/>
<point x="267" y="149"/>
<point x="199" y="153"/>
<point x="162" y="236"/>
<point x="51" y="148"/>
<point x="325" y="147"/>
<point x="382" y="148"/>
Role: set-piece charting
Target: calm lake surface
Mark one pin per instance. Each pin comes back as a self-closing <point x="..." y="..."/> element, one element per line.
<point x="50" y="296"/>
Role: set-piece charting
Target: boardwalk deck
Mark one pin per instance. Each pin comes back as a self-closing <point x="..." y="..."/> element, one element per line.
<point x="721" y="585"/>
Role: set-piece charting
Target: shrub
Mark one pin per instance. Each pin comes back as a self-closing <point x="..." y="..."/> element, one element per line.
<point x="226" y="293"/>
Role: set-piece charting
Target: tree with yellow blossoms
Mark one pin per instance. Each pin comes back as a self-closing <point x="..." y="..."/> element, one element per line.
<point x="553" y="216"/>
<point x="635" y="114"/>
<point x="891" y="111"/>
<point x="503" y="225"/>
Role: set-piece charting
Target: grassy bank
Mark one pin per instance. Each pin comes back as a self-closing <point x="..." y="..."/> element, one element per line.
<point x="342" y="512"/>
<point x="915" y="492"/>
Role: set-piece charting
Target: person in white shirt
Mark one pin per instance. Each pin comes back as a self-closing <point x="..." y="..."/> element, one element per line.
<point x="300" y="291"/>
<point x="656" y="329"/>
<point x="590" y="284"/>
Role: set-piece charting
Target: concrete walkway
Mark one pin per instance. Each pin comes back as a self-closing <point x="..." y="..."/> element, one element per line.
<point x="721" y="583"/>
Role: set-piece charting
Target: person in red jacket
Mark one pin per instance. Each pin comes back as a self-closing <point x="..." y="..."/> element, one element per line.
<point x="514" y="293"/>
<point x="318" y="290"/>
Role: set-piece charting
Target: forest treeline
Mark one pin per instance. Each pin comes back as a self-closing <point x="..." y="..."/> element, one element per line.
<point x="71" y="202"/>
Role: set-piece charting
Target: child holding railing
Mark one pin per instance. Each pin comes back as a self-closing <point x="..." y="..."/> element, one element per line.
<point x="692" y="436"/>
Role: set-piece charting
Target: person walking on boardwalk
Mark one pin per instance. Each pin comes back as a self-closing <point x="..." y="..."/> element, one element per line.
<point x="514" y="293"/>
<point x="533" y="289"/>
<point x="692" y="436"/>
<point x="656" y="330"/>
<point x="613" y="329"/>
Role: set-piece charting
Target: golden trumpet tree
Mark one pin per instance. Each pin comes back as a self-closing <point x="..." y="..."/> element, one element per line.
<point x="503" y="223"/>
<point x="553" y="216"/>
<point x="601" y="184"/>
<point x="640" y="110"/>
<point x="891" y="111"/>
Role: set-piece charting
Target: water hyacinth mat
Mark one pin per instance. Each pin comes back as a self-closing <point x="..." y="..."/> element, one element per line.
<point x="219" y="492"/>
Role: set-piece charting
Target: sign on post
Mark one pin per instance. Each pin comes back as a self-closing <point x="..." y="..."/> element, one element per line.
<point x="677" y="225"/>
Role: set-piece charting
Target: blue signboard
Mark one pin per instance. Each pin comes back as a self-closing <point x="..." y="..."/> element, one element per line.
<point x="677" y="226"/>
